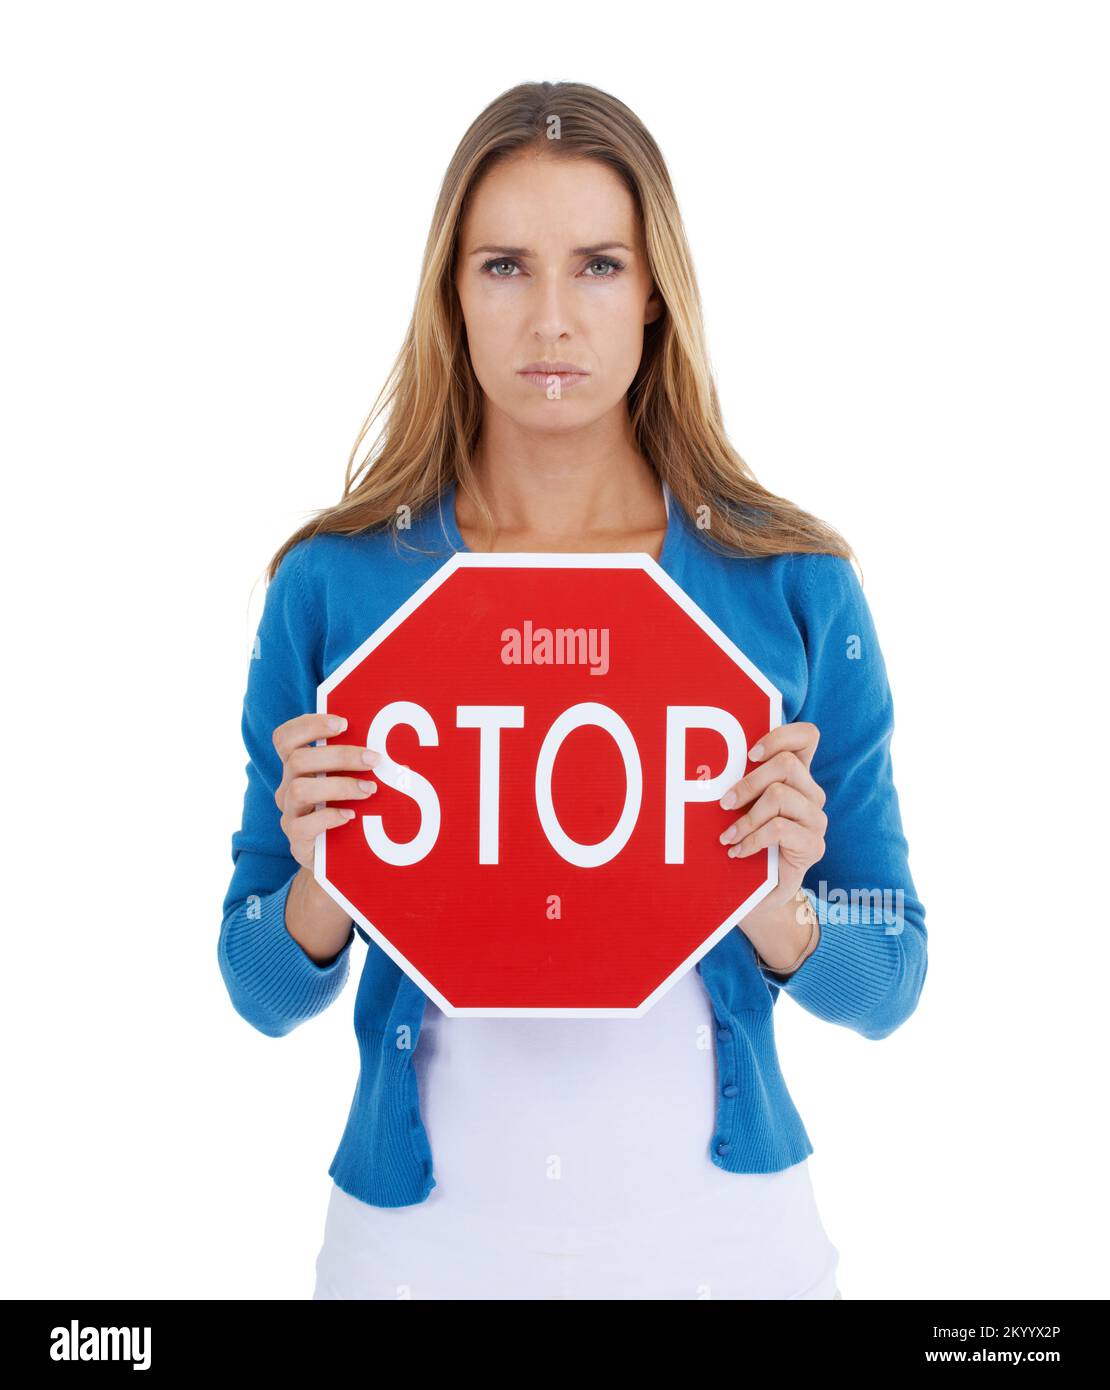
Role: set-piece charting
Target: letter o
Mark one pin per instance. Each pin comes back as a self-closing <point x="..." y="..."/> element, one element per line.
<point x="589" y="856"/>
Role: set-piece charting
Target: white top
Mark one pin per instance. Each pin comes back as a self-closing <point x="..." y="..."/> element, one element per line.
<point x="572" y="1160"/>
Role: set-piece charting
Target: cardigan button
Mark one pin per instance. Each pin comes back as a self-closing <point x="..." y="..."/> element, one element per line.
<point x="731" y="1091"/>
<point x="723" y="1148"/>
<point x="724" y="1033"/>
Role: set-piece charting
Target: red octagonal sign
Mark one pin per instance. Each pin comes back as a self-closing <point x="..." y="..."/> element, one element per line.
<point x="558" y="730"/>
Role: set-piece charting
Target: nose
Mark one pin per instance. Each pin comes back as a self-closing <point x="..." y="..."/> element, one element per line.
<point x="551" y="308"/>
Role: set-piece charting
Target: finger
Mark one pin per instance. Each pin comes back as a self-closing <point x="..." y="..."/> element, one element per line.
<point x="330" y="757"/>
<point x="778" y="800"/>
<point x="800" y="737"/>
<point x="782" y="767"/>
<point x="303" y="792"/>
<point x="787" y="834"/>
<point x="298" y="828"/>
<point x="306" y="728"/>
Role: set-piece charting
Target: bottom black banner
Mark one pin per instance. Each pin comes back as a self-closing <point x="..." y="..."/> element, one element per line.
<point x="82" y="1338"/>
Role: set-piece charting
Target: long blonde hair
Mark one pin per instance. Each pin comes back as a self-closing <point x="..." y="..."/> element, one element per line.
<point x="434" y="399"/>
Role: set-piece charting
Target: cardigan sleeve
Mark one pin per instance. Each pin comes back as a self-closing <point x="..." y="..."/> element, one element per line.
<point x="869" y="966"/>
<point x="272" y="981"/>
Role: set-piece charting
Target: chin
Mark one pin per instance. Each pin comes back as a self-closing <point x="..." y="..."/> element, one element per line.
<point x="545" y="424"/>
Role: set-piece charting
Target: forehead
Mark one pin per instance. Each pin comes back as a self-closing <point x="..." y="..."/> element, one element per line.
<point x="542" y="200"/>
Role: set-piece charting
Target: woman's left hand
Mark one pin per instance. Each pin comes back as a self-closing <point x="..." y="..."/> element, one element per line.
<point x="786" y="812"/>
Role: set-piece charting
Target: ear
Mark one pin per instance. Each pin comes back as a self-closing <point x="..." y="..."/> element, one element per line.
<point x="653" y="309"/>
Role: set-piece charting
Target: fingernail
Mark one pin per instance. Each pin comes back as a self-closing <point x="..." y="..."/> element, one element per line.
<point x="728" y="801"/>
<point x="336" y="723"/>
<point x="369" y="756"/>
<point x="369" y="786"/>
<point x="728" y="835"/>
<point x="757" y="752"/>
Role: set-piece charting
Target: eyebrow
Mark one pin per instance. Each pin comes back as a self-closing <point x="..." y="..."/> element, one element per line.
<point x="524" y="251"/>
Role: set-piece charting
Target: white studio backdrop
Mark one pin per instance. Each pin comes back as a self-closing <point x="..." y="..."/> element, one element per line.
<point x="215" y="216"/>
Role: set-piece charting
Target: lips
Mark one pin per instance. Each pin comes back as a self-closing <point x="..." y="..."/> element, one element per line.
<point x="541" y="374"/>
<point x="553" y="369"/>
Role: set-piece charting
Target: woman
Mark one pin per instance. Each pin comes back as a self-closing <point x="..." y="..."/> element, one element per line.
<point x="553" y="394"/>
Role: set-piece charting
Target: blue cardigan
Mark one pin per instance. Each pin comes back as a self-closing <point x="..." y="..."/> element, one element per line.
<point x="804" y="621"/>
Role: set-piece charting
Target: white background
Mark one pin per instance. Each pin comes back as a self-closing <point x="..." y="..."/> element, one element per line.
<point x="214" y="220"/>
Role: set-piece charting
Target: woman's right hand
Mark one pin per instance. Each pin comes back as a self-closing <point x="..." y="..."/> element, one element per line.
<point x="300" y="789"/>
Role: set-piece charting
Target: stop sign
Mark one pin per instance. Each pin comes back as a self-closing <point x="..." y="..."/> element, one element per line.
<point x="557" y="731"/>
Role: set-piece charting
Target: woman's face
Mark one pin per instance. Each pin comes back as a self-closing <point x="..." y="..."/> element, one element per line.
<point x="551" y="270"/>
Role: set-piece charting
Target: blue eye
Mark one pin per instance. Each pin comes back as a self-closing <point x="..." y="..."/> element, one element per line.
<point x="614" y="265"/>
<point x="502" y="260"/>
